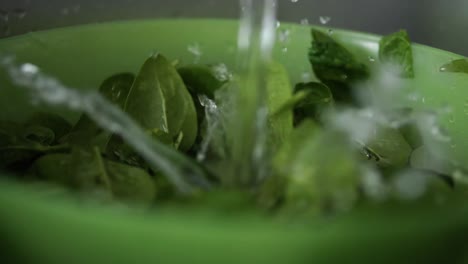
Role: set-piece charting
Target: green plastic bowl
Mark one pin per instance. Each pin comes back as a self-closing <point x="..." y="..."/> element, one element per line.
<point x="45" y="227"/>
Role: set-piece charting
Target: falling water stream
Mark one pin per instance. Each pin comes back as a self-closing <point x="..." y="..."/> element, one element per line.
<point x="249" y="114"/>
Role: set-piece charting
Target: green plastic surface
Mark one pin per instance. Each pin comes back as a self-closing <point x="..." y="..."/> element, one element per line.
<point x="40" y="228"/>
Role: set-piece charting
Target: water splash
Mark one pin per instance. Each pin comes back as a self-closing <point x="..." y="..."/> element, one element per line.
<point x="212" y="123"/>
<point x="48" y="90"/>
<point x="195" y="50"/>
<point x="324" y="20"/>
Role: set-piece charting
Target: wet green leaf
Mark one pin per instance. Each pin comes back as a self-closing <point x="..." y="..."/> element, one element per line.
<point x="396" y="53"/>
<point x="57" y="124"/>
<point x="158" y="100"/>
<point x="460" y="65"/>
<point x="332" y="62"/>
<point x="19" y="146"/>
<point x="278" y="87"/>
<point x="39" y="134"/>
<point x="319" y="98"/>
<point x="86" y="170"/>
<point x="115" y="89"/>
<point x="201" y="79"/>
<point x="131" y="183"/>
<point x="388" y="147"/>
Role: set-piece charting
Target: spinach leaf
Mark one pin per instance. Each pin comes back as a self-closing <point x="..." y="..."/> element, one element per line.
<point x="201" y="79"/>
<point x="460" y="65"/>
<point x="39" y="134"/>
<point x="387" y="147"/>
<point x="57" y="124"/>
<point x="86" y="170"/>
<point x="279" y="91"/>
<point x="318" y="99"/>
<point x="20" y="146"/>
<point x="115" y="89"/>
<point x="158" y="100"/>
<point x="131" y="183"/>
<point x="395" y="51"/>
<point x="332" y="62"/>
<point x="336" y="67"/>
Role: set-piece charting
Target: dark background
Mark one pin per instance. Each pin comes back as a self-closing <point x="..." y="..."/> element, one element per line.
<point x="442" y="24"/>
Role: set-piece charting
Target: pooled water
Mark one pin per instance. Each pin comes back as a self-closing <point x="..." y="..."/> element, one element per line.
<point x="110" y="118"/>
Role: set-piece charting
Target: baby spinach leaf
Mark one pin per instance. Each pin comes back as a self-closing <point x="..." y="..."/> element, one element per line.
<point x="57" y="124"/>
<point x="460" y="65"/>
<point x="389" y="147"/>
<point x="336" y="67"/>
<point x="201" y="79"/>
<point x="19" y="146"/>
<point x="332" y="62"/>
<point x="39" y="134"/>
<point x="159" y="100"/>
<point x="395" y="51"/>
<point x="131" y="183"/>
<point x="115" y="89"/>
<point x="318" y="99"/>
<point x="86" y="170"/>
<point x="279" y="91"/>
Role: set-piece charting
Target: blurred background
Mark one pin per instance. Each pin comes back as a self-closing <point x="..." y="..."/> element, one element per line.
<point x="442" y="24"/>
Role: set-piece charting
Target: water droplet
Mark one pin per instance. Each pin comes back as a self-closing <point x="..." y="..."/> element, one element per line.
<point x="413" y="96"/>
<point x="330" y="31"/>
<point x="278" y="23"/>
<point x="304" y="21"/>
<point x="324" y="20"/>
<point x="29" y="69"/>
<point x="306" y="76"/>
<point x="222" y="72"/>
<point x="294" y="1"/>
<point x="283" y="35"/>
<point x="442" y="69"/>
<point x="20" y="13"/>
<point x="284" y="49"/>
<point x="451" y="119"/>
<point x="194" y="48"/>
<point x="423" y="100"/>
<point x="371" y="59"/>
